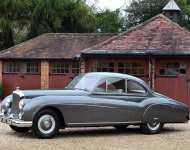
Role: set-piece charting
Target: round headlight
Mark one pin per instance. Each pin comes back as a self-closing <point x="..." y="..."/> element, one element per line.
<point x="21" y="104"/>
<point x="7" y="104"/>
<point x="7" y="101"/>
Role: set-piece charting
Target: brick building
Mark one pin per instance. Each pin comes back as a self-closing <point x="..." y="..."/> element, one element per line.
<point x="158" y="51"/>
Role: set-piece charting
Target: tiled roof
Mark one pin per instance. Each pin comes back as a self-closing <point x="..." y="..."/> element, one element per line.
<point x="54" y="46"/>
<point x="158" y="33"/>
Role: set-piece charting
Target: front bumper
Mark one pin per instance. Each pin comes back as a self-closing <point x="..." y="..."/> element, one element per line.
<point x="14" y="122"/>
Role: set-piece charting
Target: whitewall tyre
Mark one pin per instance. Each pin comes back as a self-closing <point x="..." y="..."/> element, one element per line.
<point x="151" y="128"/>
<point x="46" y="124"/>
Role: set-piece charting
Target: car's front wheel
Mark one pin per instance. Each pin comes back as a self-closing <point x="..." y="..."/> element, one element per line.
<point x="19" y="129"/>
<point x="152" y="127"/>
<point x="46" y="124"/>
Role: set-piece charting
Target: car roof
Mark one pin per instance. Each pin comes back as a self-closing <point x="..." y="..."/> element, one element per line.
<point x="116" y="75"/>
<point x="101" y="75"/>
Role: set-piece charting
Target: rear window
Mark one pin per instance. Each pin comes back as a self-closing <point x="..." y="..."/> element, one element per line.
<point x="134" y="88"/>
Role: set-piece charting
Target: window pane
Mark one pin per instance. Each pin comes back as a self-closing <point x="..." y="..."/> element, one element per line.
<point x="75" y="68"/>
<point x="135" y="88"/>
<point x="112" y="85"/>
<point x="172" y="68"/>
<point x="133" y="68"/>
<point x="116" y="86"/>
<point x="60" y="67"/>
<point x="101" y="88"/>
<point x="32" y="67"/>
<point x="105" y="67"/>
<point x="11" y="67"/>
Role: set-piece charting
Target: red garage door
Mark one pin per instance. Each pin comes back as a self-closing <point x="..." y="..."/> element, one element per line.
<point x="171" y="80"/>
<point x="59" y="81"/>
<point x="25" y="74"/>
<point x="62" y="73"/>
<point x="25" y="82"/>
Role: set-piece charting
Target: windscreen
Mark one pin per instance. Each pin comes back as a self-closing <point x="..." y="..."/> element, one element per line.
<point x="87" y="83"/>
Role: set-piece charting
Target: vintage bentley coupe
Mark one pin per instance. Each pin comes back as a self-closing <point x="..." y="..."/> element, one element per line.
<point x="92" y="100"/>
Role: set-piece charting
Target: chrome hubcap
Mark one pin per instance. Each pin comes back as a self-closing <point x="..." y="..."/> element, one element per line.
<point x="154" y="125"/>
<point x="46" y="124"/>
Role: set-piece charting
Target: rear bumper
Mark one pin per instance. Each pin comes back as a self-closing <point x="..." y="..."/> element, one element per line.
<point x="15" y="122"/>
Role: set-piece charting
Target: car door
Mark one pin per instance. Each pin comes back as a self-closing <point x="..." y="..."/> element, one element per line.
<point x="114" y="102"/>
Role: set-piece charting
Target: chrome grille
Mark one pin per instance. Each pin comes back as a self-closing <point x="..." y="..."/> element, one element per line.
<point x="15" y="104"/>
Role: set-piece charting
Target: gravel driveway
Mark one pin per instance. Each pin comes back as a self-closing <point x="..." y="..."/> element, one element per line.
<point x="174" y="137"/>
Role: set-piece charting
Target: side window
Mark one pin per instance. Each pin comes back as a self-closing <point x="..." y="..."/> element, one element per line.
<point x="112" y="85"/>
<point x="134" y="88"/>
<point x="172" y="69"/>
<point x="32" y="67"/>
<point x="11" y="67"/>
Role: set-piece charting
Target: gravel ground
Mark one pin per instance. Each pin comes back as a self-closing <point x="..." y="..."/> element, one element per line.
<point x="173" y="137"/>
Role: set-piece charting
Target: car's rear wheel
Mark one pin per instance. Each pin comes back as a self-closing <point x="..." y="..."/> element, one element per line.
<point x="46" y="124"/>
<point x="19" y="129"/>
<point x="121" y="127"/>
<point x="153" y="127"/>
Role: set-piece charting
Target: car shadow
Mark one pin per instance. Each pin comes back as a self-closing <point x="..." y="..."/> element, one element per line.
<point x="97" y="132"/>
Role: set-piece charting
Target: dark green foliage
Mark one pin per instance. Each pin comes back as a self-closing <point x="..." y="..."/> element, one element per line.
<point x="60" y="16"/>
<point x="142" y="10"/>
<point x="185" y="15"/>
<point x="21" y="20"/>
<point x="110" y="21"/>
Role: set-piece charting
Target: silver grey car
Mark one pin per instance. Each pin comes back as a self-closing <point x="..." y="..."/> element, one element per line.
<point x="92" y="100"/>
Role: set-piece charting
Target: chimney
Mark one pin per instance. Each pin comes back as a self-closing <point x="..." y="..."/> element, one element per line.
<point x="172" y="10"/>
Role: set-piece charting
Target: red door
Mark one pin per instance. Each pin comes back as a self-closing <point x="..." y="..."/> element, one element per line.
<point x="25" y="82"/>
<point x="174" y="87"/>
<point x="171" y="80"/>
<point x="59" y="81"/>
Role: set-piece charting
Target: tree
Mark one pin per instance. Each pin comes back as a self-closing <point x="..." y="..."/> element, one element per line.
<point x="109" y="21"/>
<point x="142" y="10"/>
<point x="185" y="15"/>
<point x="79" y="17"/>
<point x="24" y="19"/>
<point x="61" y="16"/>
<point x="12" y="18"/>
<point x="45" y="16"/>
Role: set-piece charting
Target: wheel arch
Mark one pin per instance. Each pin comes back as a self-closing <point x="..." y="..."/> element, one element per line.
<point x="157" y="111"/>
<point x="53" y="108"/>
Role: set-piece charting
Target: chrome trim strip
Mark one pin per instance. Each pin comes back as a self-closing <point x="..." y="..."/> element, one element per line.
<point x="15" y="122"/>
<point x="105" y="123"/>
<point x="91" y="105"/>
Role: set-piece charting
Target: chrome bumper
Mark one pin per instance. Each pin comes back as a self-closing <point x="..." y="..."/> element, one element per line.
<point x="15" y="122"/>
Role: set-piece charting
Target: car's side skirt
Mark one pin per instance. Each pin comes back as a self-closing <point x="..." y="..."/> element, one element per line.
<point x="93" y="124"/>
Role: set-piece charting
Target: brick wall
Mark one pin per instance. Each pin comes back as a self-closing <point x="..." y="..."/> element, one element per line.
<point x="44" y="75"/>
<point x="83" y="67"/>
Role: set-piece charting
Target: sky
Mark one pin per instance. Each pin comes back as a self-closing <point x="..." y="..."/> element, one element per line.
<point x="110" y="4"/>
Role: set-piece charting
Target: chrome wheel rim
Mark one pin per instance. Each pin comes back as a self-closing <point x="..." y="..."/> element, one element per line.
<point x="154" y="126"/>
<point x="46" y="124"/>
